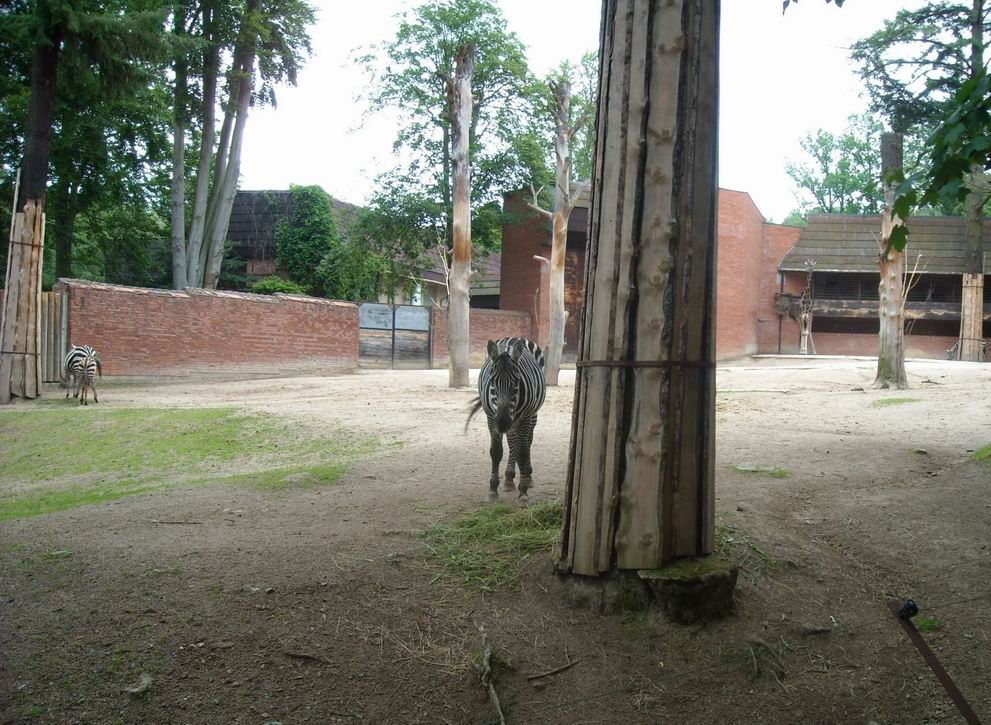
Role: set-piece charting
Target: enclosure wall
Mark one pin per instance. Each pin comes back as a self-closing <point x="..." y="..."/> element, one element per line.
<point x="484" y="325"/>
<point x="139" y="331"/>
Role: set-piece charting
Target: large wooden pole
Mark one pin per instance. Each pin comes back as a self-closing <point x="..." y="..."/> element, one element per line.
<point x="20" y="321"/>
<point x="459" y="108"/>
<point x="640" y="475"/>
<point x="891" y="287"/>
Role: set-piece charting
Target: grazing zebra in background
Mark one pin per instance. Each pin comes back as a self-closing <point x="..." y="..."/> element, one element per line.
<point x="88" y="369"/>
<point x="511" y="390"/>
<point x="73" y="364"/>
<point x="954" y="352"/>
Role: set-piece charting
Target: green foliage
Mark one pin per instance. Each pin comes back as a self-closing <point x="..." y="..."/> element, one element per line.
<point x="786" y="3"/>
<point x="307" y="236"/>
<point x="796" y="218"/>
<point x="914" y="65"/>
<point x="752" y="468"/>
<point x="115" y="245"/>
<point x="273" y="285"/>
<point x="841" y="173"/>
<point x="488" y="548"/>
<point x="410" y="212"/>
<point x="984" y="454"/>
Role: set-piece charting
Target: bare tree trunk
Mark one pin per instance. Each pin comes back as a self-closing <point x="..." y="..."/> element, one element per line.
<point x="891" y="288"/>
<point x="66" y="233"/>
<point x="563" y="204"/>
<point x="220" y="168"/>
<point x="972" y="299"/>
<point x="459" y="108"/>
<point x="211" y="69"/>
<point x="226" y="182"/>
<point x="179" y="276"/>
<point x="20" y="322"/>
<point x="640" y="484"/>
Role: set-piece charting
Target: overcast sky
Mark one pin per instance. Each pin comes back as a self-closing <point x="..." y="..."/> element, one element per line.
<point x="781" y="77"/>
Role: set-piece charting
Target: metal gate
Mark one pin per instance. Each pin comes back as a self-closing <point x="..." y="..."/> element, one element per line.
<point x="394" y="336"/>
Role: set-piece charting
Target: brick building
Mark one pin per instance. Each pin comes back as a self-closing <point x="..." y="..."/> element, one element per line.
<point x="750" y="250"/>
<point x="761" y="265"/>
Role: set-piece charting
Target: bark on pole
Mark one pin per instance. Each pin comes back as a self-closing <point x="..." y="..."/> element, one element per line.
<point x="459" y="103"/>
<point x="178" y="228"/>
<point x="640" y="482"/>
<point x="20" y="321"/>
<point x="891" y="287"/>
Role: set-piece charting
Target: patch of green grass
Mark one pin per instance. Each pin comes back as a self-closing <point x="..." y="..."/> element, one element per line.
<point x="927" y="624"/>
<point x="753" y="468"/>
<point x="487" y="548"/>
<point x="887" y="402"/>
<point x="277" y="479"/>
<point x="57" y="459"/>
<point x="984" y="454"/>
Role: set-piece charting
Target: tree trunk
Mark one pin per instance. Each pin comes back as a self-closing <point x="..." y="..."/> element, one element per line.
<point x="891" y="288"/>
<point x="640" y="484"/>
<point x="226" y="182"/>
<point x="66" y="235"/>
<point x="20" y="344"/>
<point x="179" y="276"/>
<point x="219" y="169"/>
<point x="459" y="110"/>
<point x="972" y="297"/>
<point x="563" y="204"/>
<point x="211" y="67"/>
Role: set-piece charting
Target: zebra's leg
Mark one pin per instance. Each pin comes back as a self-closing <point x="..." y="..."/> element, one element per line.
<point x="525" y="437"/>
<point x="495" y="452"/>
<point x="510" y="482"/>
<point x="95" y="399"/>
<point x="69" y="381"/>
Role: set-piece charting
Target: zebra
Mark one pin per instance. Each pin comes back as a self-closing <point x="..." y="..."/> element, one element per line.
<point x="511" y="390"/>
<point x="88" y="369"/>
<point x="73" y="364"/>
<point x="954" y="351"/>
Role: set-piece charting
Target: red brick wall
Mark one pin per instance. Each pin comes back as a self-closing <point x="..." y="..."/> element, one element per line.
<point x="778" y="241"/>
<point x="523" y="284"/>
<point x="140" y="331"/>
<point x="739" y="265"/>
<point x="920" y="346"/>
<point x="483" y="325"/>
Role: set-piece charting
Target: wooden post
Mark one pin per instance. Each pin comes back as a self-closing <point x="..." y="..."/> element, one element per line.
<point x="891" y="287"/>
<point x="640" y="473"/>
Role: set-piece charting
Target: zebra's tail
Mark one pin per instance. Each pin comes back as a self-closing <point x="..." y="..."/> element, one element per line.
<point x="473" y="407"/>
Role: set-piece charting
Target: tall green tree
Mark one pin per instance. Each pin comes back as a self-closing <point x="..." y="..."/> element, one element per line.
<point x="111" y="37"/>
<point x="840" y="174"/>
<point x="411" y="209"/>
<point x="254" y="45"/>
<point x="928" y="68"/>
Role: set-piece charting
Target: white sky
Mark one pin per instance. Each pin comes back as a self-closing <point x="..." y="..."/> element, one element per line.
<point x="781" y="77"/>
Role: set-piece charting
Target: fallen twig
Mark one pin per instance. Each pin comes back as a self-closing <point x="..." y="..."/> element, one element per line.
<point x="555" y="671"/>
<point x="187" y="523"/>
<point x="305" y="656"/>
<point x="487" y="676"/>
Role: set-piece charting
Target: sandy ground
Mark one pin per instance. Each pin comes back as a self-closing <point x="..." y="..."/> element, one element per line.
<point x="319" y="605"/>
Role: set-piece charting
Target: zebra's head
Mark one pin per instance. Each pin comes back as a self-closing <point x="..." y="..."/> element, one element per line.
<point x="506" y="382"/>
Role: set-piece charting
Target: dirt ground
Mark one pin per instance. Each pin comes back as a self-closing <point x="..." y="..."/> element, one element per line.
<point x="321" y="605"/>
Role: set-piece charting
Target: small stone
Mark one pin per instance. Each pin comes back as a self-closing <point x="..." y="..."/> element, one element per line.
<point x="141" y="686"/>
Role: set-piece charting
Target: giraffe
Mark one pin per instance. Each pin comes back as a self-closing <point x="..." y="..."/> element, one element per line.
<point x="805" y="310"/>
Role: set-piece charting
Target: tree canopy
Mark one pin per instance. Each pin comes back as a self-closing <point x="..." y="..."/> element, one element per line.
<point x="411" y="209"/>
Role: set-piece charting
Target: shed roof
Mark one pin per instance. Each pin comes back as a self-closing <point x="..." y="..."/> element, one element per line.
<point x="843" y="243"/>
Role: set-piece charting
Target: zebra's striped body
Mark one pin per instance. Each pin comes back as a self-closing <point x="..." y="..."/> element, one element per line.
<point x="72" y="366"/>
<point x="954" y="352"/>
<point x="88" y="369"/>
<point x="511" y="390"/>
